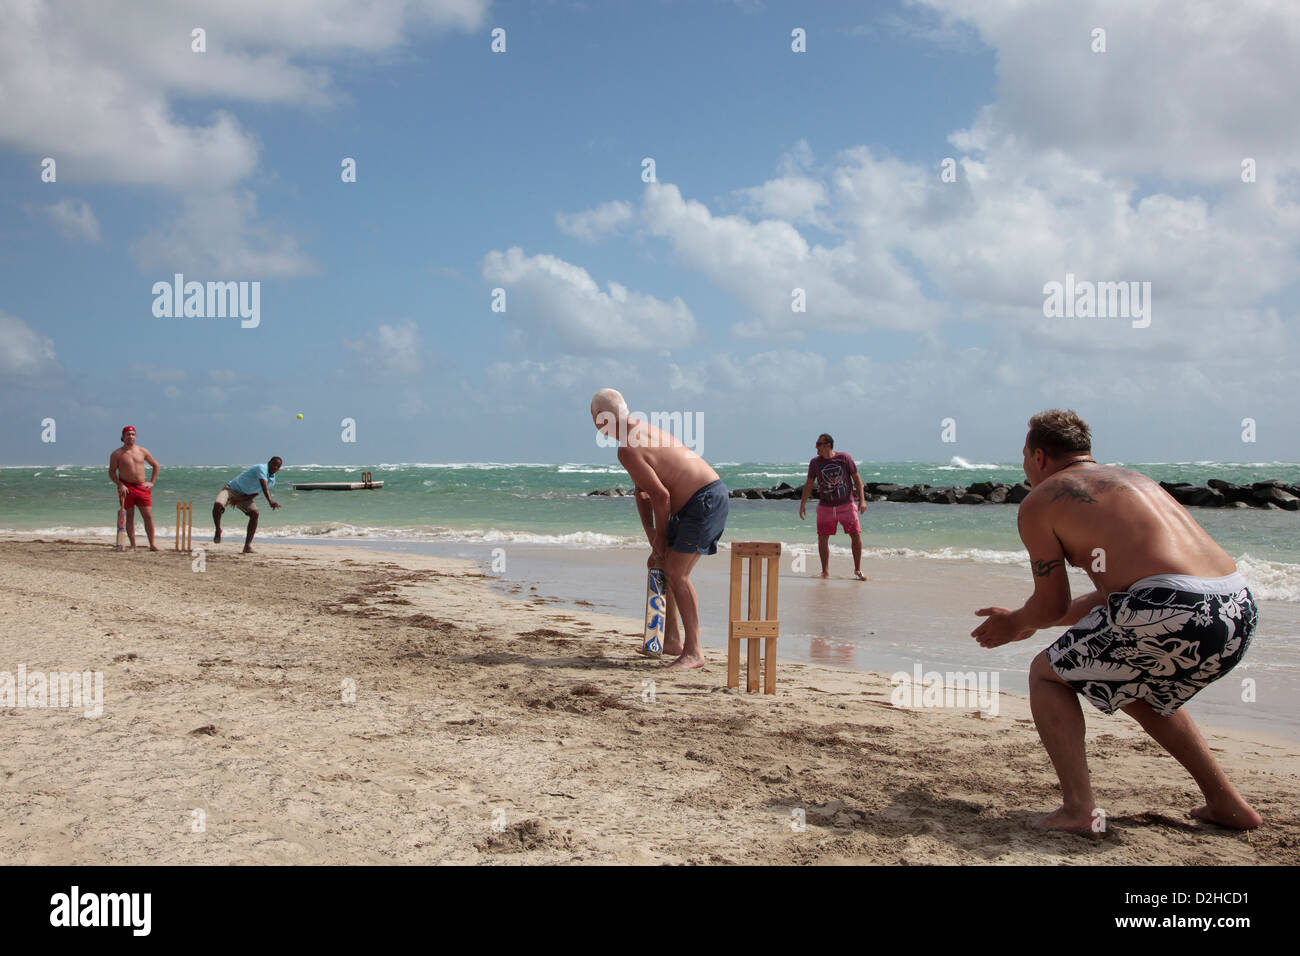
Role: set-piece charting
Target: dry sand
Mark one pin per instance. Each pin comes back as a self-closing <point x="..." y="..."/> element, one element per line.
<point x="224" y="693"/>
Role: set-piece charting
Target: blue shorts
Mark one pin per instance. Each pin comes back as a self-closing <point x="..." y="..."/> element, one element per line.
<point x="696" y="528"/>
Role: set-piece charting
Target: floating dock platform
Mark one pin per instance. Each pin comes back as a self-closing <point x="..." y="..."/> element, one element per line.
<point x="363" y="485"/>
<point x="338" y="485"/>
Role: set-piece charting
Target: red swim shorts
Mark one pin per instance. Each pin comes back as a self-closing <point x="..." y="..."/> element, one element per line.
<point x="138" y="495"/>
<point x="828" y="516"/>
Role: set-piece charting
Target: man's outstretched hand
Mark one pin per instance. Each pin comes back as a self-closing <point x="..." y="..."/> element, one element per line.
<point x="999" y="629"/>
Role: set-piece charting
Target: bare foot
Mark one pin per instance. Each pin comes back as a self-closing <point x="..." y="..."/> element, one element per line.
<point x="248" y="550"/>
<point x="1069" y="821"/>
<point x="824" y="574"/>
<point x="860" y="576"/>
<point x="154" y="547"/>
<point x="686" y="662"/>
<point x="216" y="538"/>
<point x="674" y="647"/>
<point x="1238" y="815"/>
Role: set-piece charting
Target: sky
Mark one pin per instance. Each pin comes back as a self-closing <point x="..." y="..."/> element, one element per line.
<point x="853" y="219"/>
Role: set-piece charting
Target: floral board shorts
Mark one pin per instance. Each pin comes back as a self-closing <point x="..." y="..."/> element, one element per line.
<point x="1161" y="641"/>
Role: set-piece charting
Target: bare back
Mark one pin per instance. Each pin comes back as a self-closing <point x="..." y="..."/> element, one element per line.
<point x="681" y="470"/>
<point x="1138" y="527"/>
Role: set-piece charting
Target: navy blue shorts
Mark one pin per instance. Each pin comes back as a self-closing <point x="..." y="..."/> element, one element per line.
<point x="696" y="528"/>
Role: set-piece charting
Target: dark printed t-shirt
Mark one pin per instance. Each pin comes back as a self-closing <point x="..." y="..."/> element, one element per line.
<point x="833" y="475"/>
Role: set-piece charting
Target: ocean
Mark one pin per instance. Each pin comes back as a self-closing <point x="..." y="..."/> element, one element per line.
<point x="547" y="504"/>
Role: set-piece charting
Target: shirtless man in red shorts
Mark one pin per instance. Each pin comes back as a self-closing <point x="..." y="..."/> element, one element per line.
<point x="126" y="470"/>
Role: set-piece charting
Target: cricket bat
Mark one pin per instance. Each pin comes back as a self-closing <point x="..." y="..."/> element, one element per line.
<point x="656" y="610"/>
<point x="121" y="529"/>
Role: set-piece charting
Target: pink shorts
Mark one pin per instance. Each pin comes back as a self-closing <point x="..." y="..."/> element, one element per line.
<point x="830" y="515"/>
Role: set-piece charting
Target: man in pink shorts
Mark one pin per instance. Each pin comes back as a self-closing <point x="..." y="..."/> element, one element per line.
<point x="832" y="471"/>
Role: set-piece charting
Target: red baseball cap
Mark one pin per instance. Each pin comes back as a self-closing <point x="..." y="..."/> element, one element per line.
<point x="127" y="428"/>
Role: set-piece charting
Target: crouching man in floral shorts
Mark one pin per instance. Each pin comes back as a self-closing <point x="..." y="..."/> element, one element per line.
<point x="1170" y="615"/>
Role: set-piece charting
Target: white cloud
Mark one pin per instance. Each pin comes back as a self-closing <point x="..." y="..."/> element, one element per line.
<point x="781" y="397"/>
<point x="567" y="372"/>
<point x="95" y="84"/>
<point x="393" y="350"/>
<point x="605" y="220"/>
<point x="413" y="404"/>
<point x="72" y="217"/>
<point x="794" y="198"/>
<point x="271" y="416"/>
<point x="912" y="251"/>
<point x="848" y="287"/>
<point x="546" y="295"/>
<point x="1185" y="89"/>
<point x="24" y="352"/>
<point x="216" y="234"/>
<point x="1054" y="177"/>
<point x="157" y="374"/>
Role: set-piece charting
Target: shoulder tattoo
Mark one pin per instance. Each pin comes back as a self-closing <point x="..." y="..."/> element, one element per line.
<point x="1084" y="490"/>
<point x="1076" y="490"/>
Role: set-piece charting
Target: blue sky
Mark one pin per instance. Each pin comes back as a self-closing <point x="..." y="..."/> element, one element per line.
<point x="522" y="170"/>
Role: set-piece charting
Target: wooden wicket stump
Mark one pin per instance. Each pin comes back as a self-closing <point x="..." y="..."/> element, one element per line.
<point x="760" y="624"/>
<point x="184" y="526"/>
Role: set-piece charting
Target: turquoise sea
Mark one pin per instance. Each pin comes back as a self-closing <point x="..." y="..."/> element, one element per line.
<point x="547" y="504"/>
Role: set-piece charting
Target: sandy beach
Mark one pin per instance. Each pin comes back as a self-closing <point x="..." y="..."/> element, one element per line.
<point x="506" y="728"/>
